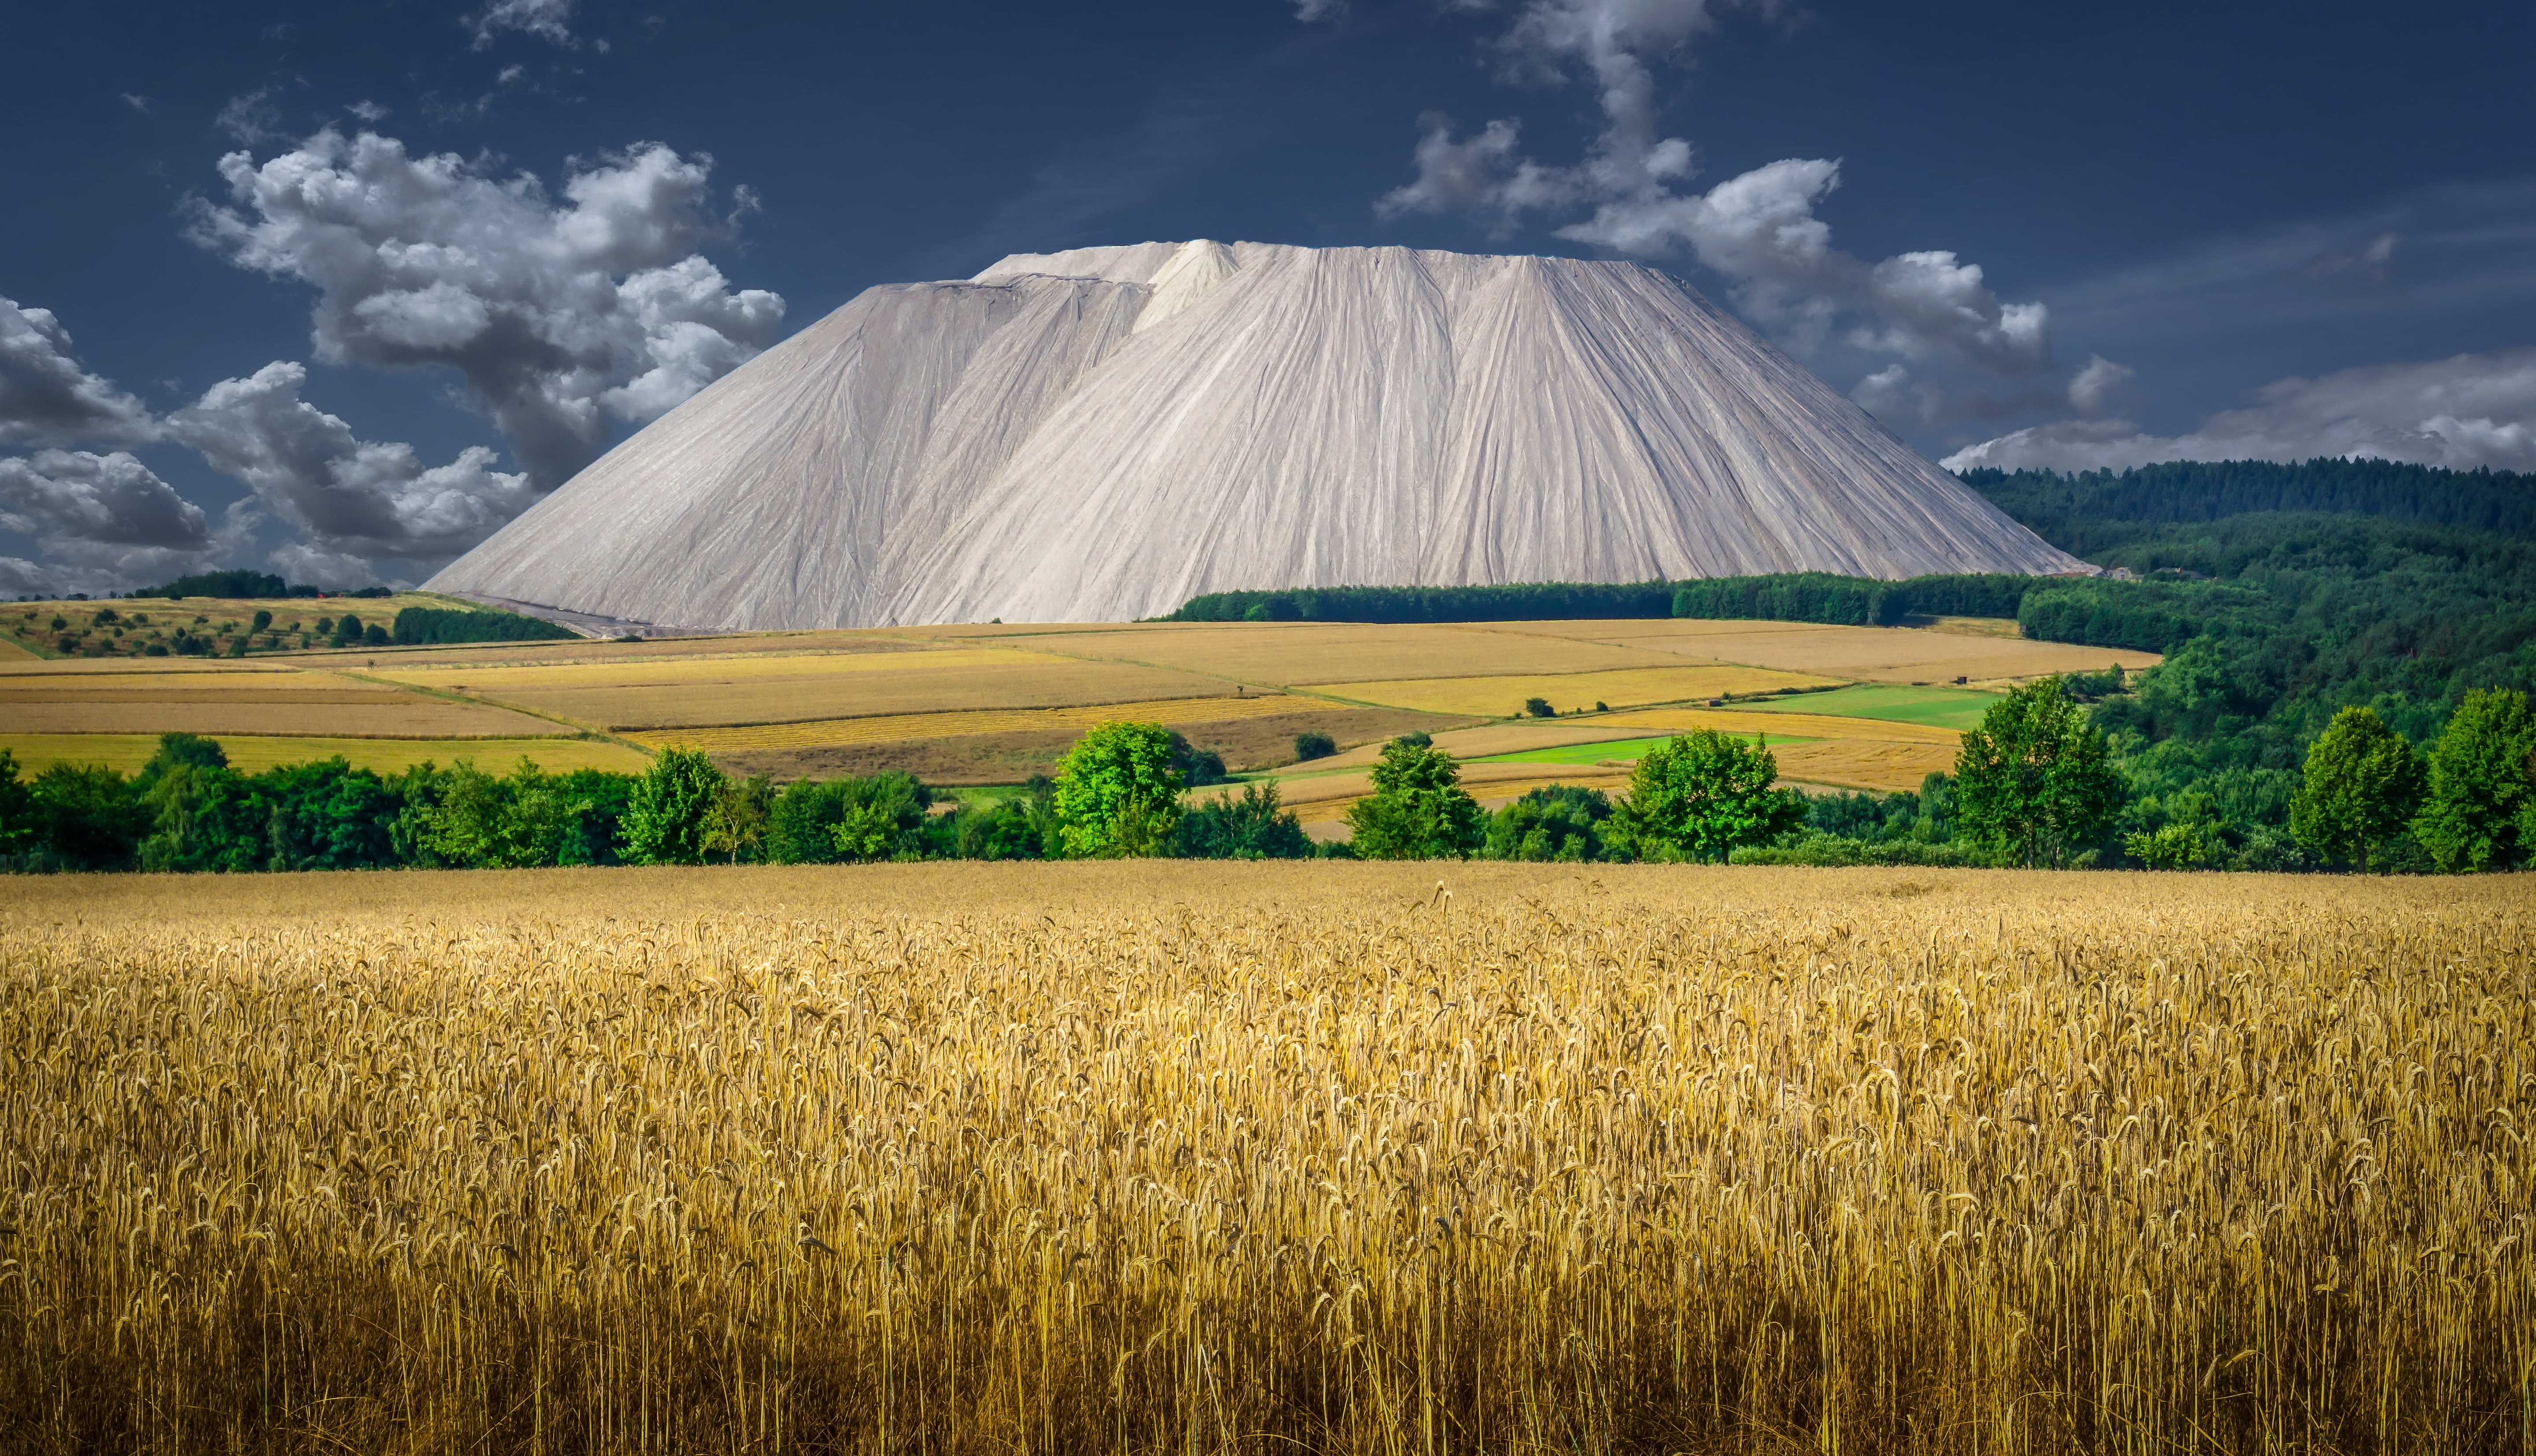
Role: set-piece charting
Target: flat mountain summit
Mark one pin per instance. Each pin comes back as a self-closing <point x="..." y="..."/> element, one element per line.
<point x="1100" y="434"/>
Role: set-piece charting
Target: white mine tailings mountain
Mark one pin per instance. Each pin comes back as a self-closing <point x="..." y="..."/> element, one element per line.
<point x="1100" y="434"/>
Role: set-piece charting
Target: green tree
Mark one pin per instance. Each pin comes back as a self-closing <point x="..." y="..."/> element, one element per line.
<point x="1117" y="793"/>
<point x="327" y="815"/>
<point x="1699" y="795"/>
<point x="2175" y="846"/>
<point x="665" y="822"/>
<point x="1561" y="822"/>
<point x="1418" y="808"/>
<point x="2482" y="796"/>
<point x="21" y="829"/>
<point x="176" y="749"/>
<point x="2035" y="779"/>
<point x="92" y="817"/>
<point x="735" y="823"/>
<point x="1314" y="745"/>
<point x="203" y="817"/>
<point x="808" y="823"/>
<point x="1021" y="827"/>
<point x="1253" y="826"/>
<point x="2363" y="784"/>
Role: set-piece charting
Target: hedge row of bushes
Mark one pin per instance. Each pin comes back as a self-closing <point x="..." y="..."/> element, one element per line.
<point x="433" y="626"/>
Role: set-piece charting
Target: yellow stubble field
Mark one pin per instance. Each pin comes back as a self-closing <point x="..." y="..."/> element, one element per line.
<point x="1127" y="1157"/>
<point x="1566" y="692"/>
<point x="738" y="690"/>
<point x="1905" y="655"/>
<point x="908" y="726"/>
<point x="253" y="753"/>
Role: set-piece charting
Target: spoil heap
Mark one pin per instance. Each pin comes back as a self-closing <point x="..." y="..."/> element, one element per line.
<point x="1104" y="433"/>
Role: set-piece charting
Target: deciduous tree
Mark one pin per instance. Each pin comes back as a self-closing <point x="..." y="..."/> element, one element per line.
<point x="1418" y="808"/>
<point x="2363" y="784"/>
<point x="1117" y="793"/>
<point x="2481" y="807"/>
<point x="2035" y="779"/>
<point x="1698" y="795"/>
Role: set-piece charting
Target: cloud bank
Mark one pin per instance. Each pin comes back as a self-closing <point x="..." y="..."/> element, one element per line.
<point x="558" y="315"/>
<point x="2472" y="411"/>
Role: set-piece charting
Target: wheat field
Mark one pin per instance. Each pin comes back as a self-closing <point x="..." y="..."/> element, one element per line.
<point x="1118" y="1157"/>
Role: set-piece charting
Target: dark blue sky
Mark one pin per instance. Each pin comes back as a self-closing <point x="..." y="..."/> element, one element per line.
<point x="2211" y="196"/>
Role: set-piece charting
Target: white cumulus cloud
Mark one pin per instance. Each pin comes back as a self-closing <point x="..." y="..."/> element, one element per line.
<point x="345" y="497"/>
<point x="1931" y="310"/>
<point x="2472" y="411"/>
<point x="557" y="313"/>
<point x="47" y="398"/>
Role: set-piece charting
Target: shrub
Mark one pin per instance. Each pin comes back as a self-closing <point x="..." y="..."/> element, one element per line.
<point x="1557" y="822"/>
<point x="1253" y="826"/>
<point x="1313" y="745"/>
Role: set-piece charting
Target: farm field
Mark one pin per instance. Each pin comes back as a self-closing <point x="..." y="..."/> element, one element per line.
<point x="728" y="691"/>
<point x="1955" y="709"/>
<point x="1291" y="654"/>
<point x="1793" y="721"/>
<point x="1629" y="749"/>
<point x="1898" y="654"/>
<point x="1317" y="1157"/>
<point x="996" y="703"/>
<point x="1566" y="692"/>
<point x="900" y="727"/>
<point x="253" y="753"/>
<point x="27" y="626"/>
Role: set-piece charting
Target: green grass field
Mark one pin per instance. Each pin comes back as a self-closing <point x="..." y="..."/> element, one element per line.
<point x="1620" y="749"/>
<point x="1937" y="706"/>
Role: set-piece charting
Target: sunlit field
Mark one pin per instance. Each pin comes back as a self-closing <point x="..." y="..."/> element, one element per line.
<point x="1316" y="1157"/>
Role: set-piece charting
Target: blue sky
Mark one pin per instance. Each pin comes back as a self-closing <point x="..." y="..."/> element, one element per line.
<point x="339" y="288"/>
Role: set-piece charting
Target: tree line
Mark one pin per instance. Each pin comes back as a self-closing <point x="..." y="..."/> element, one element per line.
<point x="2036" y="784"/>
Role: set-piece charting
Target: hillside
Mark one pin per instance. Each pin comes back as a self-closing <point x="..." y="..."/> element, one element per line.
<point x="1103" y="434"/>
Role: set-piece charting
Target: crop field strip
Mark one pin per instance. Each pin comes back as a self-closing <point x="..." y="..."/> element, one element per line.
<point x="1894" y="655"/>
<point x="1505" y="696"/>
<point x="1116" y="1157"/>
<point x="1291" y="654"/>
<point x="256" y="752"/>
<point x="722" y="692"/>
<point x="901" y="727"/>
<point x="1858" y="763"/>
<point x="1682" y="720"/>
<point x="96" y="698"/>
<point x="1958" y="709"/>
